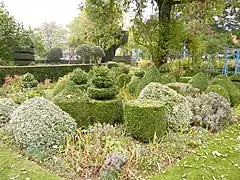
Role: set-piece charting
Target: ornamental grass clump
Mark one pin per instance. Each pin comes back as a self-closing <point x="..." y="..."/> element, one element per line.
<point x="178" y="110"/>
<point x="6" y="108"/>
<point x="40" y="127"/>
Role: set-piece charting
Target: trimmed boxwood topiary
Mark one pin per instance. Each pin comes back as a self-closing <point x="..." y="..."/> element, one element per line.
<point x="185" y="79"/>
<point x="200" y="81"/>
<point x="235" y="77"/>
<point x="61" y="84"/>
<point x="79" y="76"/>
<point x="102" y="93"/>
<point x="219" y="90"/>
<point x="233" y="91"/>
<point x="144" y="119"/>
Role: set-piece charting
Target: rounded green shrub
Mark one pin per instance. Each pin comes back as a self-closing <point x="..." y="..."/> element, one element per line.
<point x="237" y="84"/>
<point x="200" y="81"/>
<point x="100" y="77"/>
<point x="167" y="78"/>
<point x="29" y="81"/>
<point x="97" y="52"/>
<point x="178" y="110"/>
<point x="61" y="84"/>
<point x="133" y="85"/>
<point x="40" y="127"/>
<point x="152" y="75"/>
<point x="219" y="90"/>
<point x="79" y="76"/>
<point x="235" y="77"/>
<point x="120" y="69"/>
<point x="139" y="73"/>
<point x="102" y="93"/>
<point x="55" y="53"/>
<point x="123" y="80"/>
<point x="28" y="77"/>
<point x="185" y="79"/>
<point x="145" y="119"/>
<point x="84" y="52"/>
<point x="233" y="91"/>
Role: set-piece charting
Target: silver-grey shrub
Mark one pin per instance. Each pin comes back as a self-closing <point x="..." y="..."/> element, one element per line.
<point x="6" y="108"/>
<point x="177" y="106"/>
<point x="39" y="126"/>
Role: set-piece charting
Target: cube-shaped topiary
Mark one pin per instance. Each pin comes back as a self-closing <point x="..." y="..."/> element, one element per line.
<point x="185" y="79"/>
<point x="79" y="76"/>
<point x="144" y="119"/>
<point x="233" y="91"/>
<point x="219" y="90"/>
<point x="200" y="81"/>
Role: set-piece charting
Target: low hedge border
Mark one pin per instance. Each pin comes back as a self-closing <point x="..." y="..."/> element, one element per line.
<point x="41" y="73"/>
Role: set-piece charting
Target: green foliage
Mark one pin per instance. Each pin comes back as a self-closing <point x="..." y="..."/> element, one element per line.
<point x="97" y="52"/>
<point x="55" y="53"/>
<point x="145" y="119"/>
<point x="178" y="111"/>
<point x="237" y="111"/>
<point x="235" y="77"/>
<point x="28" y="81"/>
<point x="184" y="89"/>
<point x="219" y="90"/>
<point x="139" y="73"/>
<point x="102" y="93"/>
<point x="152" y="75"/>
<point x="84" y="52"/>
<point x="185" y="79"/>
<point x="12" y="35"/>
<point x="200" y="81"/>
<point x="233" y="91"/>
<point x="101" y="77"/>
<point x="45" y="124"/>
<point x="61" y="84"/>
<point x="133" y="85"/>
<point x="41" y="73"/>
<point x="119" y="69"/>
<point x="237" y="84"/>
<point x="123" y="80"/>
<point x="167" y="78"/>
<point x="28" y="77"/>
<point x="2" y="93"/>
<point x="7" y="106"/>
<point x="79" y="76"/>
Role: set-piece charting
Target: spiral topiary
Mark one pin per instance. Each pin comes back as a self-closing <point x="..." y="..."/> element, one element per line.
<point x="79" y="76"/>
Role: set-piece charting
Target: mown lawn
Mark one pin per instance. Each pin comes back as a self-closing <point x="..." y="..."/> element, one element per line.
<point x="218" y="159"/>
<point x="14" y="166"/>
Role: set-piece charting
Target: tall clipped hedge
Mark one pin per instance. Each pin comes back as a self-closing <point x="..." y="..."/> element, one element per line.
<point x="233" y="91"/>
<point x="144" y="119"/>
<point x="43" y="72"/>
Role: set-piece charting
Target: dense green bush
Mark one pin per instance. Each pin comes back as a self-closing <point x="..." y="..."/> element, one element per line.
<point x="184" y="89"/>
<point x="235" y="77"/>
<point x="7" y="106"/>
<point x="40" y="127"/>
<point x="97" y="52"/>
<point x="55" y="54"/>
<point x="233" y="91"/>
<point x="211" y="111"/>
<point x="2" y="93"/>
<point x="185" y="79"/>
<point x="123" y="80"/>
<point x="237" y="84"/>
<point x="178" y="111"/>
<point x="219" y="90"/>
<point x="61" y="84"/>
<point x="119" y="69"/>
<point x="139" y="73"/>
<point x="101" y="77"/>
<point x="83" y="52"/>
<point x="41" y="73"/>
<point x="29" y="81"/>
<point x="132" y="86"/>
<point x="168" y="78"/>
<point x="237" y="111"/>
<point x="152" y="75"/>
<point x="145" y="119"/>
<point x="102" y="93"/>
<point x="79" y="76"/>
<point x="28" y="77"/>
<point x="200" y="81"/>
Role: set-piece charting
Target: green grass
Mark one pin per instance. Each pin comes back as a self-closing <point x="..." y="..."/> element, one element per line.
<point x="218" y="159"/>
<point x="14" y="166"/>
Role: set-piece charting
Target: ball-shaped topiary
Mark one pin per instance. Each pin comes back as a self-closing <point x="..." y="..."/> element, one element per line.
<point x="40" y="127"/>
<point x="101" y="77"/>
<point x="219" y="90"/>
<point x="84" y="52"/>
<point x="7" y="106"/>
<point x="145" y="119"/>
<point x="55" y="53"/>
<point x="200" y="81"/>
<point x="233" y="91"/>
<point x="97" y="52"/>
<point x="178" y="110"/>
<point x="79" y="76"/>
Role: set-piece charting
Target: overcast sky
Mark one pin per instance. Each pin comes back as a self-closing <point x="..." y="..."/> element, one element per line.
<point x="34" y="12"/>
